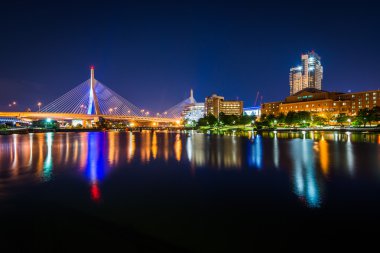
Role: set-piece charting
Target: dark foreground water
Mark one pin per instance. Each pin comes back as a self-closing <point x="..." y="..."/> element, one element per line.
<point x="169" y="192"/>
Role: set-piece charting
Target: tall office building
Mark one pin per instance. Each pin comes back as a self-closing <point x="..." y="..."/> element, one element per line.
<point x="308" y="75"/>
<point x="295" y="79"/>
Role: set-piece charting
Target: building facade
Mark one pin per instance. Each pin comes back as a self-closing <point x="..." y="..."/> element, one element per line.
<point x="252" y="111"/>
<point x="193" y="112"/>
<point x="324" y="102"/>
<point x="308" y="75"/>
<point x="215" y="105"/>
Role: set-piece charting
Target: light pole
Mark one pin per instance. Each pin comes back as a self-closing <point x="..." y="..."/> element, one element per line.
<point x="39" y="106"/>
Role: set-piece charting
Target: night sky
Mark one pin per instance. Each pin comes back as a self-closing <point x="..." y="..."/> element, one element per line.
<point x="152" y="53"/>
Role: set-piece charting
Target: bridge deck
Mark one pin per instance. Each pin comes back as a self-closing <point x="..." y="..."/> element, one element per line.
<point x="71" y="116"/>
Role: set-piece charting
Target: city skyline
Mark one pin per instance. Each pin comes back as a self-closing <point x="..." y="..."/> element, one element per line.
<point x="129" y="54"/>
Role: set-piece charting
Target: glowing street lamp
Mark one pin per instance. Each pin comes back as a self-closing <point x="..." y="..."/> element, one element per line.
<point x="14" y="103"/>
<point x="110" y="110"/>
<point x="39" y="106"/>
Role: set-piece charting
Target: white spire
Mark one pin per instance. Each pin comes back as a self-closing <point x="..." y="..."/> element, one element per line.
<point x="192" y="100"/>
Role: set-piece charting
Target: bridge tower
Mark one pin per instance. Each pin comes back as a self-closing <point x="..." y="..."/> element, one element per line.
<point x="93" y="103"/>
<point x="192" y="100"/>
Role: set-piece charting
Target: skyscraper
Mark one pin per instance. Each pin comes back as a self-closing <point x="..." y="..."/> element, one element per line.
<point x="308" y="75"/>
<point x="295" y="79"/>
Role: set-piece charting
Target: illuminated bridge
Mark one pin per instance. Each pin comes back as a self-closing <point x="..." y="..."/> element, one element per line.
<point x="92" y="100"/>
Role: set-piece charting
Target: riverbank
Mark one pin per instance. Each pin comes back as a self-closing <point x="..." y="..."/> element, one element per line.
<point x="236" y="129"/>
<point x="208" y="130"/>
<point x="76" y="130"/>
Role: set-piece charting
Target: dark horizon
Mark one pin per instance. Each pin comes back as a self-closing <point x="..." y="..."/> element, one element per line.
<point x="153" y="54"/>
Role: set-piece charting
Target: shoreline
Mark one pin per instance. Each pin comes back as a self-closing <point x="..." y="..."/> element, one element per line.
<point x="335" y="129"/>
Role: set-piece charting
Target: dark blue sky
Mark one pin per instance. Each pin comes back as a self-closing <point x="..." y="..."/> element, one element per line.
<point x="152" y="53"/>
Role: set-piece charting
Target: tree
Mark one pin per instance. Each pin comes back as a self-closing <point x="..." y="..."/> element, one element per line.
<point x="303" y="117"/>
<point x="318" y="120"/>
<point x="291" y="118"/>
<point x="228" y="119"/>
<point x="208" y="120"/>
<point x="329" y="116"/>
<point x="366" y="115"/>
<point x="263" y="117"/>
<point x="341" y="118"/>
<point x="246" y="119"/>
<point x="271" y="119"/>
<point x="281" y="118"/>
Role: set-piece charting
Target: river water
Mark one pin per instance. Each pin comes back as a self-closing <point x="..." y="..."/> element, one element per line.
<point x="175" y="192"/>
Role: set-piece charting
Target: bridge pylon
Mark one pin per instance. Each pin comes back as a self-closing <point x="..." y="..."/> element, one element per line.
<point x="93" y="102"/>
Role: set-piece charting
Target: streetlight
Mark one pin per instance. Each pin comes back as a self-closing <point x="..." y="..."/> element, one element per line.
<point x="39" y="106"/>
<point x="110" y="110"/>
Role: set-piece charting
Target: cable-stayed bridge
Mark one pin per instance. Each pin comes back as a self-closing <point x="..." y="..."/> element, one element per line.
<point x="92" y="100"/>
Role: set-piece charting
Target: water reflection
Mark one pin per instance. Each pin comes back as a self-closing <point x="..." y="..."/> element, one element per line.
<point x="310" y="158"/>
<point x="276" y="152"/>
<point x="350" y="154"/>
<point x="48" y="163"/>
<point x="256" y="150"/>
<point x="324" y="156"/>
<point x="306" y="184"/>
<point x="178" y="147"/>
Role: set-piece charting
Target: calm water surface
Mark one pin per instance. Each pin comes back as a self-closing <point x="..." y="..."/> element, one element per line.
<point x="171" y="192"/>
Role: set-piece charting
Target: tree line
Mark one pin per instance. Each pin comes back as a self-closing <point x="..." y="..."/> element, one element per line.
<point x="304" y="118"/>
